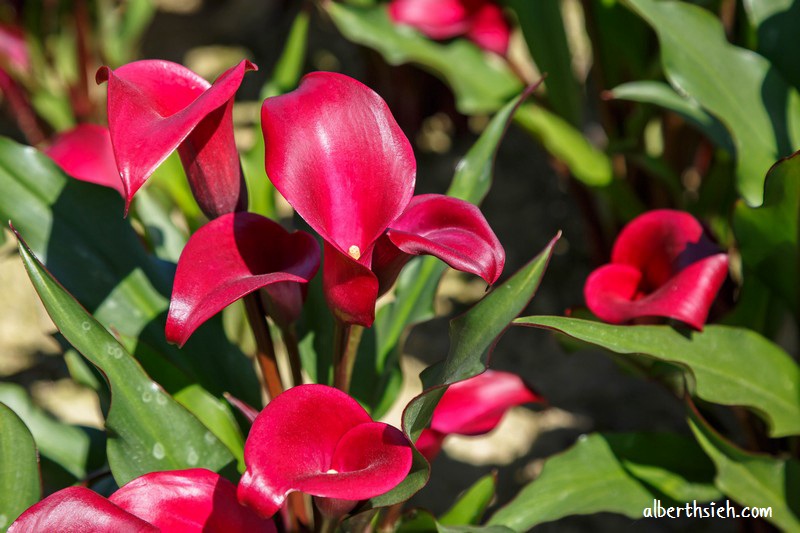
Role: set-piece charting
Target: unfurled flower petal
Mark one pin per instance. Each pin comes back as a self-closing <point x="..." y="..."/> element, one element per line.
<point x="613" y="292"/>
<point x="318" y="440"/>
<point x="157" y="106"/>
<point x="335" y="152"/>
<point x="230" y="257"/>
<point x="490" y="29"/>
<point x="438" y="19"/>
<point x="474" y="407"/>
<point x="187" y="501"/>
<point x="453" y="230"/>
<point x="350" y="288"/>
<point x="481" y="21"/>
<point x="78" y="509"/>
<point x="85" y="153"/>
<point x="662" y="265"/>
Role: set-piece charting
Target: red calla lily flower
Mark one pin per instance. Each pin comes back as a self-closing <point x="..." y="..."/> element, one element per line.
<point x="155" y="107"/>
<point x="473" y="407"/>
<point x="662" y="265"/>
<point x="318" y="440"/>
<point x="232" y="256"/>
<point x="482" y="21"/>
<point x="85" y="153"/>
<point x="180" y="501"/>
<point x="335" y="152"/>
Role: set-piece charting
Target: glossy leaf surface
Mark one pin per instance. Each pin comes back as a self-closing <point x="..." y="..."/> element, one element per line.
<point x="720" y="359"/>
<point x="700" y="62"/>
<point x="620" y="473"/>
<point x="149" y="430"/>
<point x="768" y="236"/>
<point x="20" y="486"/>
<point x="751" y="479"/>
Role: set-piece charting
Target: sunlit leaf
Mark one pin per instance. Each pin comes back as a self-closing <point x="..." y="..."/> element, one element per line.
<point x="720" y="359"/>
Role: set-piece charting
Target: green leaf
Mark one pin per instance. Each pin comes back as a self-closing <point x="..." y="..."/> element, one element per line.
<point x="77" y="230"/>
<point x="72" y="448"/>
<point x="543" y="28"/>
<point x="720" y="359"/>
<point x="753" y="480"/>
<point x="736" y="85"/>
<point x="661" y="94"/>
<point x="469" y="507"/>
<point x="19" y="468"/>
<point x="620" y="474"/>
<point x="481" y="83"/>
<point x="472" y="336"/>
<point x="768" y="235"/>
<point x="777" y="22"/>
<point x="567" y="144"/>
<point x="148" y="430"/>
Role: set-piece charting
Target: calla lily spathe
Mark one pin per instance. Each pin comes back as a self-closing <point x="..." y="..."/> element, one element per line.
<point x="235" y="255"/>
<point x="318" y="440"/>
<point x="474" y="407"/>
<point x="156" y="107"/>
<point x="662" y="265"/>
<point x="481" y="21"/>
<point x="85" y="153"/>
<point x="179" y="501"/>
<point x="335" y="152"/>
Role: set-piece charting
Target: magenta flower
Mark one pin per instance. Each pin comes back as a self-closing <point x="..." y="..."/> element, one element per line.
<point x="662" y="265"/>
<point x="232" y="256"/>
<point x="474" y="407"/>
<point x="338" y="156"/>
<point x="318" y="440"/>
<point x="481" y="21"/>
<point x="180" y="501"/>
<point x="85" y="153"/>
<point x="155" y="107"/>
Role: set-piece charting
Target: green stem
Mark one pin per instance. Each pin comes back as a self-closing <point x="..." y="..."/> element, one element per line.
<point x="265" y="350"/>
<point x="346" y="338"/>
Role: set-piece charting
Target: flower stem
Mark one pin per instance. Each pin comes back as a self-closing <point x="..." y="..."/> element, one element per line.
<point x="346" y="338"/>
<point x="265" y="351"/>
<point x="292" y="348"/>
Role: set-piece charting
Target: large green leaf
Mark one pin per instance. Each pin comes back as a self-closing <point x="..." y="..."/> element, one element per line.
<point x="730" y="366"/>
<point x="481" y="84"/>
<point x="777" y="22"/>
<point x="661" y="94"/>
<point x="472" y="336"/>
<point x="19" y="468"/>
<point x="77" y="230"/>
<point x="621" y="474"/>
<point x="76" y="450"/>
<point x="543" y="28"/>
<point x="768" y="235"/>
<point x="148" y="430"/>
<point x="736" y="85"/>
<point x="753" y="480"/>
